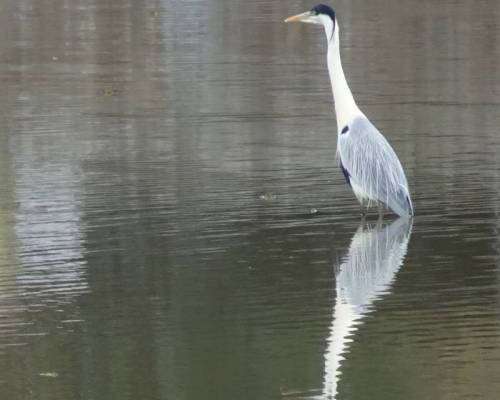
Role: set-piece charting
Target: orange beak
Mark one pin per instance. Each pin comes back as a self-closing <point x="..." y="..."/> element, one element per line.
<point x="293" y="18"/>
<point x="298" y="17"/>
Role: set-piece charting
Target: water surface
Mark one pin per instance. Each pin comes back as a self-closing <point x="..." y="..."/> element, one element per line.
<point x="158" y="166"/>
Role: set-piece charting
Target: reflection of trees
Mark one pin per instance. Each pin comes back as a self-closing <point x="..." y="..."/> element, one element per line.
<point x="10" y="294"/>
<point x="141" y="135"/>
<point x="213" y="307"/>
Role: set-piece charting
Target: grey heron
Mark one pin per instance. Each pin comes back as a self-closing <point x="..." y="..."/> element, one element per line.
<point x="367" y="160"/>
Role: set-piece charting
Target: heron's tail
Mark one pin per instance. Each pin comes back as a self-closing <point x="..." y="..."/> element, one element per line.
<point x="400" y="203"/>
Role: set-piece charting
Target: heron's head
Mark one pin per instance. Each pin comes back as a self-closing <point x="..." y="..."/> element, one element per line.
<point x="320" y="15"/>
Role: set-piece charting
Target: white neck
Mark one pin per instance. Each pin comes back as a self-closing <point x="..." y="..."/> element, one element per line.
<point x="345" y="107"/>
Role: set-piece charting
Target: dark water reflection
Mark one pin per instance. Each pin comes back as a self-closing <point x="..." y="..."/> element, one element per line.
<point x="158" y="165"/>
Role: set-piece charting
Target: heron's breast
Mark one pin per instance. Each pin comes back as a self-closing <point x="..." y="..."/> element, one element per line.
<point x="358" y="191"/>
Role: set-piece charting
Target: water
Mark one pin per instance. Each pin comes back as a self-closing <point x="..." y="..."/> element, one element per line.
<point x="173" y="224"/>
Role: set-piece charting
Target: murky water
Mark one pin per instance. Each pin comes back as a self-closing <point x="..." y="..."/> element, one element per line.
<point x="159" y="163"/>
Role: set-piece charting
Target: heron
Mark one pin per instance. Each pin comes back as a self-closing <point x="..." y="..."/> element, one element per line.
<point x="368" y="162"/>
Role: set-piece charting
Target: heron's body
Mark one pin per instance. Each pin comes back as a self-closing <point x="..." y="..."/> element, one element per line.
<point x="367" y="160"/>
<point x="384" y="181"/>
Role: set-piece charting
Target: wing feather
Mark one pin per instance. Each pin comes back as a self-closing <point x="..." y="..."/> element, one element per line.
<point x="374" y="167"/>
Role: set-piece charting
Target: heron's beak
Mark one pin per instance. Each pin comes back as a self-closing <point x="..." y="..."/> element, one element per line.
<point x="304" y="17"/>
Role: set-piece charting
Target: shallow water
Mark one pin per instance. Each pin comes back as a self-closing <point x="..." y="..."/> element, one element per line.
<point x="160" y="166"/>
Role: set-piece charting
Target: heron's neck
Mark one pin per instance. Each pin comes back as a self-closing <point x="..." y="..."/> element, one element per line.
<point x="345" y="106"/>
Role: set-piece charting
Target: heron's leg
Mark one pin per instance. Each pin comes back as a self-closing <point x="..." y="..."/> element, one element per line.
<point x="363" y="208"/>
<point x="381" y="211"/>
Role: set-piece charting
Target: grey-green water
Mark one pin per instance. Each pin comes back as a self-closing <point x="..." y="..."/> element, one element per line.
<point x="158" y="164"/>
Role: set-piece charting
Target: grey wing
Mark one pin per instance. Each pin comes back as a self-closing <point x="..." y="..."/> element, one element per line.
<point x="373" y="166"/>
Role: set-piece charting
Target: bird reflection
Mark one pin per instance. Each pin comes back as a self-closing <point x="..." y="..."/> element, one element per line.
<point x="375" y="255"/>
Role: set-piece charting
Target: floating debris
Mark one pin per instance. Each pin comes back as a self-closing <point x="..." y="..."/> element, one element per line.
<point x="313" y="211"/>
<point x="268" y="196"/>
<point x="49" y="374"/>
<point x="107" y="92"/>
